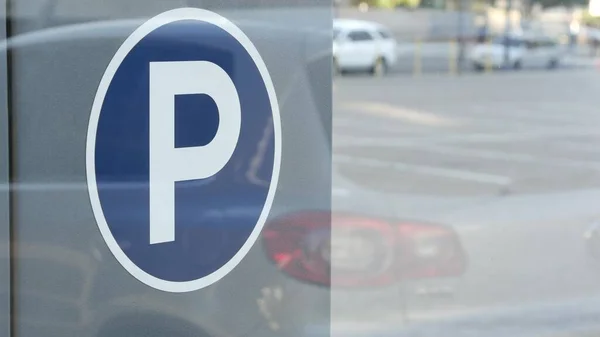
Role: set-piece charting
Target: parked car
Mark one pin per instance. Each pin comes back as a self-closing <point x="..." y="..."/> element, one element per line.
<point x="363" y="46"/>
<point x="523" y="51"/>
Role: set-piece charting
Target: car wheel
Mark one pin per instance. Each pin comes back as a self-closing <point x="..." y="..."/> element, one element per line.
<point x="518" y="65"/>
<point x="478" y="67"/>
<point x="553" y="64"/>
<point x="380" y="67"/>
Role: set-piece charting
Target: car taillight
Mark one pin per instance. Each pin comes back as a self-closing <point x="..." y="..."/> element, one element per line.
<point x="351" y="250"/>
<point x="297" y="244"/>
<point x="425" y="251"/>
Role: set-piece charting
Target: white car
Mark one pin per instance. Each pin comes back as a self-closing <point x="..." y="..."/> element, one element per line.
<point x="363" y="45"/>
<point x="523" y="51"/>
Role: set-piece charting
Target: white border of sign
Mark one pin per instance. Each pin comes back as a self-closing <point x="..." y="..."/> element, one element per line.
<point x="122" y="52"/>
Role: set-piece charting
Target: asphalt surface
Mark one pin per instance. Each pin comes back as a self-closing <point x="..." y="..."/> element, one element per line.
<point x="530" y="132"/>
<point x="511" y="162"/>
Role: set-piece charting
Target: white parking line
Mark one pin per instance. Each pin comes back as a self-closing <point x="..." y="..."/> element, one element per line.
<point x="350" y="129"/>
<point x="510" y="157"/>
<point x="496" y="125"/>
<point x="509" y="137"/>
<point x="589" y="148"/>
<point x="423" y="169"/>
<point x="400" y="113"/>
<point x="535" y="115"/>
<point x="496" y="155"/>
<point x="509" y="122"/>
<point x="492" y="113"/>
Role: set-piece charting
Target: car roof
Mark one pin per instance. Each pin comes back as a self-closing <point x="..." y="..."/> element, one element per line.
<point x="355" y="24"/>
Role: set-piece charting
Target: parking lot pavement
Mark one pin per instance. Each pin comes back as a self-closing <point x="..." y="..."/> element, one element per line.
<point x="507" y="160"/>
<point x="530" y="132"/>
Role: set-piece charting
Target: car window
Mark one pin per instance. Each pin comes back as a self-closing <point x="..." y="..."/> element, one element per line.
<point x="513" y="42"/>
<point x="547" y="43"/>
<point x="360" y="35"/>
<point x="530" y="44"/>
<point x="542" y="42"/>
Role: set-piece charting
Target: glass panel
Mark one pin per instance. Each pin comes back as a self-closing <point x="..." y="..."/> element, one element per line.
<point x="466" y="185"/>
<point x="72" y="280"/>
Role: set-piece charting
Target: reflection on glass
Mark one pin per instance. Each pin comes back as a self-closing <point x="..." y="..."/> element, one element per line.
<point x="477" y="168"/>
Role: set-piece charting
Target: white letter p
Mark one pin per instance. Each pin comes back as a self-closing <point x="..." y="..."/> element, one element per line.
<point x="169" y="164"/>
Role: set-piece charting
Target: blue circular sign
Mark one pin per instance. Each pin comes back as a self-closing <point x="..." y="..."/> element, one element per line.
<point x="183" y="108"/>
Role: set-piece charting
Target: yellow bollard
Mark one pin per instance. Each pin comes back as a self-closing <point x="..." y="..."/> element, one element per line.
<point x="417" y="61"/>
<point x="489" y="66"/>
<point x="452" y="58"/>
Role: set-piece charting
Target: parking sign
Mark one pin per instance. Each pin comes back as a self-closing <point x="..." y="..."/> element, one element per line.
<point x="183" y="102"/>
